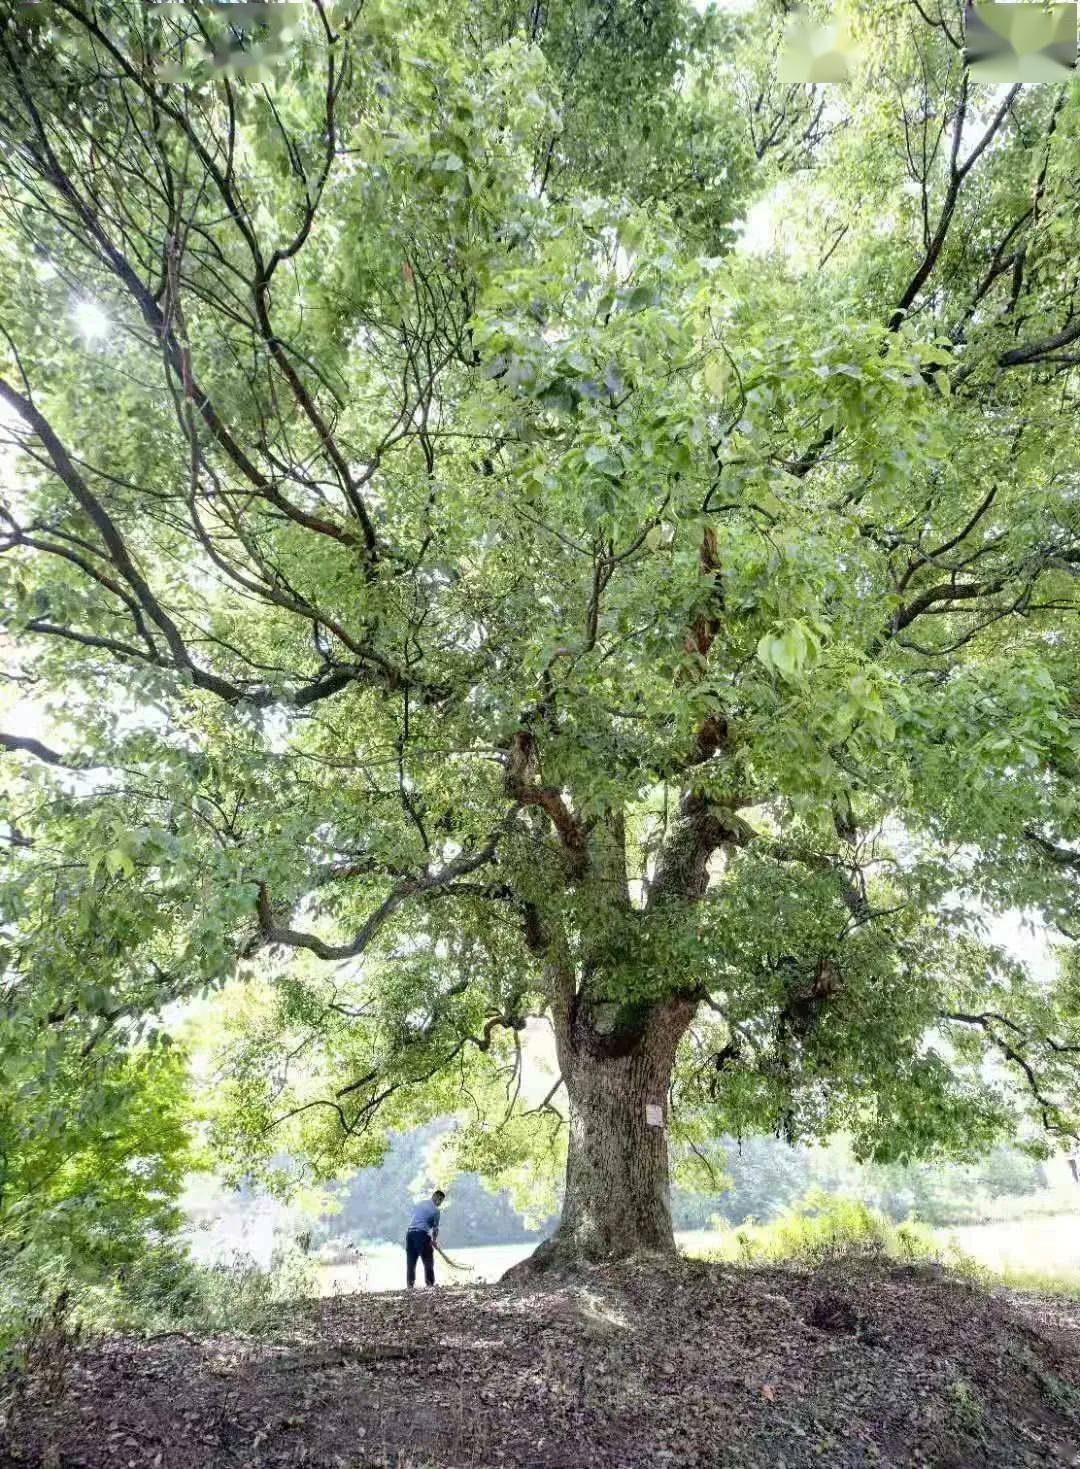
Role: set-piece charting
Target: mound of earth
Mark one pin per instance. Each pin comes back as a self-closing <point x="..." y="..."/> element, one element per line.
<point x="668" y="1364"/>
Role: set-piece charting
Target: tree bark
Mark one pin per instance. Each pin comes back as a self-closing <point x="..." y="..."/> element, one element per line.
<point x="617" y="1200"/>
<point x="617" y="1054"/>
<point x="617" y="1163"/>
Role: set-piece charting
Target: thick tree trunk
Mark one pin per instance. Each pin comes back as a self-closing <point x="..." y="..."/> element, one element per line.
<point x="617" y="1185"/>
<point x="617" y="1163"/>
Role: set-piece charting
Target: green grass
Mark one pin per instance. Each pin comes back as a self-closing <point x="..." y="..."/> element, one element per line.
<point x="822" y="1227"/>
<point x="1061" y="1198"/>
<point x="1039" y="1252"/>
<point x="1042" y="1282"/>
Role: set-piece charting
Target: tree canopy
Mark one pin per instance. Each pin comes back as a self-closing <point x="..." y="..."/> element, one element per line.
<point x="461" y="582"/>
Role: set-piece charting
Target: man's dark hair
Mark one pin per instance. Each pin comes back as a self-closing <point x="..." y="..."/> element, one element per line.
<point x="438" y="1196"/>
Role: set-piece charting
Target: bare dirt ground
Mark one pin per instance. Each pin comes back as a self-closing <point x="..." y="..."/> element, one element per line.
<point x="670" y="1364"/>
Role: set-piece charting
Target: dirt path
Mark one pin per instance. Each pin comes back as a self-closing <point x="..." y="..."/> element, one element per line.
<point x="682" y="1364"/>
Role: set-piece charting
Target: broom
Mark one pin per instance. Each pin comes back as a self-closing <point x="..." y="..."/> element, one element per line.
<point x="452" y="1263"/>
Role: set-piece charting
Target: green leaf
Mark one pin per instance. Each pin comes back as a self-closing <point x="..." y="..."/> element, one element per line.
<point x="640" y="297"/>
<point x="117" y="861"/>
<point x="716" y="375"/>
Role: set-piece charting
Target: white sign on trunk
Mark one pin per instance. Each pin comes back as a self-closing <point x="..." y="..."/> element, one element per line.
<point x="654" y="1115"/>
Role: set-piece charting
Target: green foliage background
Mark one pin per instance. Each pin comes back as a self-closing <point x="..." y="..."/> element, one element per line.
<point x="461" y="586"/>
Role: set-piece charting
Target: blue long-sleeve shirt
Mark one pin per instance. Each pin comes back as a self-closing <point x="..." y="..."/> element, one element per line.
<point x="425" y="1216"/>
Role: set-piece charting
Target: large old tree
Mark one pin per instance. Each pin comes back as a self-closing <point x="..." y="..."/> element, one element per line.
<point x="449" y="579"/>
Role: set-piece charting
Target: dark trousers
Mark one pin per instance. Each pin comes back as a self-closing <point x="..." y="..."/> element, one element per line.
<point x="418" y="1247"/>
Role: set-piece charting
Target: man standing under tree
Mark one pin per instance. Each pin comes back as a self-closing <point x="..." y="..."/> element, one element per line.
<point x="421" y="1238"/>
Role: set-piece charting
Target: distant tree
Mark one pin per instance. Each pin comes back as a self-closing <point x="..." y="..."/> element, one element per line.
<point x="1007" y="1172"/>
<point x="375" y="1203"/>
<point x="466" y="589"/>
<point x="957" y="1193"/>
<point x="765" y="1176"/>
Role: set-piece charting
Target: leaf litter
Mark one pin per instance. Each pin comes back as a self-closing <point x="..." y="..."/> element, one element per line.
<point x="676" y="1364"/>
